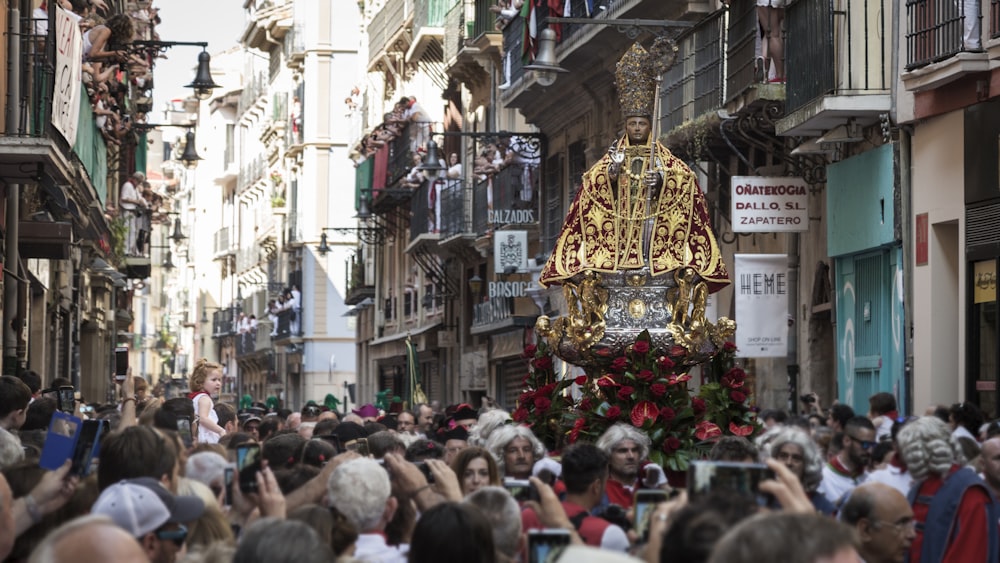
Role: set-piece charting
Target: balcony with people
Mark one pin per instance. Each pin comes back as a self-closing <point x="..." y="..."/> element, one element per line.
<point x="947" y="41"/>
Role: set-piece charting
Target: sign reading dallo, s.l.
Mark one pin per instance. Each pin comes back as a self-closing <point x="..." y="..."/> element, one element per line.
<point x="769" y="204"/>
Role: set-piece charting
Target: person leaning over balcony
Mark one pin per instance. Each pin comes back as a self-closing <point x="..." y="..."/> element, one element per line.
<point x="117" y="32"/>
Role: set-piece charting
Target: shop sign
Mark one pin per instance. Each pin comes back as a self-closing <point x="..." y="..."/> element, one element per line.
<point x="510" y="251"/>
<point x="761" y="286"/>
<point x="769" y="204"/>
<point x="984" y="280"/>
<point x="508" y="288"/>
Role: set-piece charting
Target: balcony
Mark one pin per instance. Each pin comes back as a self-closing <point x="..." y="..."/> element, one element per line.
<point x="253" y="92"/>
<point x="224" y="322"/>
<point x="693" y="86"/>
<point x="944" y="43"/>
<point x="254" y="341"/>
<point x="472" y="42"/>
<point x="502" y="313"/>
<point x="295" y="46"/>
<point x="455" y="220"/>
<point x="425" y="209"/>
<point x="222" y="244"/>
<point x="428" y="29"/>
<point x="251" y="174"/>
<point x="388" y="32"/>
<point x="745" y="87"/>
<point x="839" y="65"/>
<point x="288" y="325"/>
<point x="358" y="287"/>
<point x="33" y="149"/>
<point x="396" y="159"/>
<point x="582" y="45"/>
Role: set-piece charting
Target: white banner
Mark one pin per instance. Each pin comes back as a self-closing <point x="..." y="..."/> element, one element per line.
<point x="510" y="250"/>
<point x="69" y="62"/>
<point x="769" y="205"/>
<point x="761" y="284"/>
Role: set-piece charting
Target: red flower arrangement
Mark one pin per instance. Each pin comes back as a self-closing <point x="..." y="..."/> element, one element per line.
<point x="643" y="389"/>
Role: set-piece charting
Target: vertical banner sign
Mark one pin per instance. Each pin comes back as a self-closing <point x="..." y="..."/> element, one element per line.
<point x="510" y="250"/>
<point x="770" y="205"/>
<point x="761" y="305"/>
<point x="66" y="94"/>
<point x="922" y="232"/>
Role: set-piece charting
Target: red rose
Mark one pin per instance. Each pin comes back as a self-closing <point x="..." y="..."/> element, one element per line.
<point x="640" y="347"/>
<point x="544" y="362"/>
<point x="525" y="397"/>
<point x="729" y="347"/>
<point x="665" y="363"/>
<point x="542" y="403"/>
<point x="613" y="413"/>
<point x="671" y="444"/>
<point x="546" y="390"/>
<point x="658" y="389"/>
<point x="737" y="397"/>
<point x="607" y="381"/>
<point x="677" y="351"/>
<point x="698" y="404"/>
<point x="529" y="351"/>
<point x="625" y="393"/>
<point x="737" y="374"/>
<point x="619" y="363"/>
<point x="736" y="430"/>
<point x="667" y="414"/>
<point x="524" y="380"/>
<point x="585" y="405"/>
<point x="580" y="380"/>
<point x="520" y="415"/>
<point x="645" y="375"/>
<point x="706" y="430"/>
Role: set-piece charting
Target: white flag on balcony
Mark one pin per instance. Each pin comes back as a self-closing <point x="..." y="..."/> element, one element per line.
<point x="69" y="62"/>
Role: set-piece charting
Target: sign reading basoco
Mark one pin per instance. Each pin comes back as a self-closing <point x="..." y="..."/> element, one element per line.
<point x="765" y="205"/>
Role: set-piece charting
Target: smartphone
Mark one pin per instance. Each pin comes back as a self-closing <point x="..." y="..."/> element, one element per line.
<point x="730" y="477"/>
<point x="66" y="398"/>
<point x="426" y="470"/>
<point x="227" y="481"/>
<point x="332" y="440"/>
<point x="360" y="446"/>
<point x="247" y="466"/>
<point x="541" y="543"/>
<point x="644" y="503"/>
<point x="87" y="448"/>
<point x="521" y="489"/>
<point x="184" y="429"/>
<point x="121" y="363"/>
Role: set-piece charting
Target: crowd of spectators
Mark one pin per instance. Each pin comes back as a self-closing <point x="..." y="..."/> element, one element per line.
<point x="467" y="484"/>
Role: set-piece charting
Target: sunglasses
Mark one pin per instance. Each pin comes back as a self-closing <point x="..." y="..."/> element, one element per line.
<point x="177" y="536"/>
<point x="865" y="444"/>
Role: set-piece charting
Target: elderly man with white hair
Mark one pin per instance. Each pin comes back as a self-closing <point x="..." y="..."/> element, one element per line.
<point x="516" y="449"/>
<point x="360" y="490"/>
<point x="630" y="468"/>
<point x="956" y="515"/>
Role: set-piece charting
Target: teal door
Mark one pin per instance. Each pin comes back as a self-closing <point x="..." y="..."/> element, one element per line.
<point x="870" y="351"/>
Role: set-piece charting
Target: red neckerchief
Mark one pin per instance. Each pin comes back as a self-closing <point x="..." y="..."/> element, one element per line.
<point x="838" y="467"/>
<point x="194" y="394"/>
<point x="891" y="415"/>
<point x="898" y="463"/>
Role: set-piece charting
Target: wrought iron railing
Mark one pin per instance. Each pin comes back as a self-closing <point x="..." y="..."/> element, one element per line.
<point x="837" y="49"/>
<point x="515" y="195"/>
<point x="454" y="220"/>
<point x="939" y="29"/>
<point x="693" y="85"/>
<point x="425" y="209"/>
<point x="485" y="20"/>
<point x="743" y="68"/>
<point x="385" y="24"/>
<point x="221" y="241"/>
<point x="482" y="206"/>
<point x="224" y="321"/>
<point x="401" y="154"/>
<point x="454" y="23"/>
<point x="430" y="13"/>
<point x="512" y="66"/>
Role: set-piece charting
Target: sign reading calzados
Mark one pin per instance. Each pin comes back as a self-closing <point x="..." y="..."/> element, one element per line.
<point x="764" y="205"/>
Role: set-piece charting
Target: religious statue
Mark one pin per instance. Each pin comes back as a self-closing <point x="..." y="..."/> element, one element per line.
<point x="639" y="233"/>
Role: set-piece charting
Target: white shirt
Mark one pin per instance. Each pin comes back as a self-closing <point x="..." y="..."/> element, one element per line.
<point x="894" y="477"/>
<point x="128" y="191"/>
<point x="835" y="485"/>
<point x="372" y="547"/>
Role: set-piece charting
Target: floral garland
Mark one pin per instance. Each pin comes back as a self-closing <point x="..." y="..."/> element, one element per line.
<point x="643" y="389"/>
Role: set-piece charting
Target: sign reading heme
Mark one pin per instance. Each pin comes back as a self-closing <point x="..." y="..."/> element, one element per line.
<point x="770" y="204"/>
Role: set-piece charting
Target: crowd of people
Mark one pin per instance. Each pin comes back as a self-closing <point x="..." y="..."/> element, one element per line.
<point x="468" y="484"/>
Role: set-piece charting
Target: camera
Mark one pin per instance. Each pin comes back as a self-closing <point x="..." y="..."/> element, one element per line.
<point x="808" y="399"/>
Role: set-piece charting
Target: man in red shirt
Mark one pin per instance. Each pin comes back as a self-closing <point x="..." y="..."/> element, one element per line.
<point x="956" y="516"/>
<point x="585" y="472"/>
<point x="629" y="468"/>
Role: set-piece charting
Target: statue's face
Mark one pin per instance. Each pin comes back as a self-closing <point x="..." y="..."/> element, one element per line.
<point x="637" y="129"/>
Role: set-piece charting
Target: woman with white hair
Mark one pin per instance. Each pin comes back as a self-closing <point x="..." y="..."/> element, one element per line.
<point x="486" y="424"/>
<point x="793" y="447"/>
<point x="954" y="512"/>
<point x="516" y="449"/>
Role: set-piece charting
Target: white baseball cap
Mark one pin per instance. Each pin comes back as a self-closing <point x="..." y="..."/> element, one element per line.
<point x="140" y="506"/>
